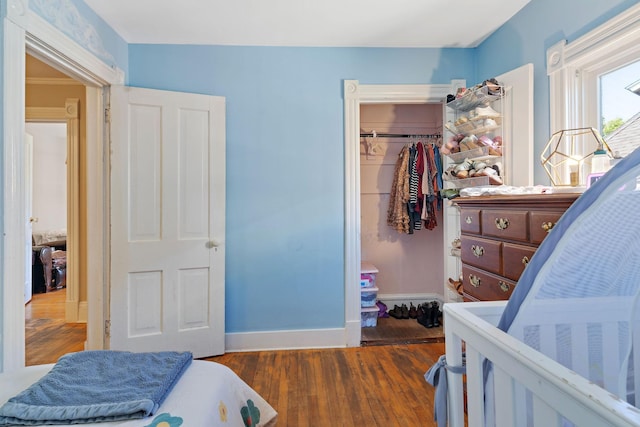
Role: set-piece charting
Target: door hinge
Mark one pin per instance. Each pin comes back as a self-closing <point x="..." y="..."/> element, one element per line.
<point x="107" y="115"/>
<point x="107" y="328"/>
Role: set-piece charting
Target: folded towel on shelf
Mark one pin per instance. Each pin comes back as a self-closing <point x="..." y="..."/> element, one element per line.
<point x="95" y="386"/>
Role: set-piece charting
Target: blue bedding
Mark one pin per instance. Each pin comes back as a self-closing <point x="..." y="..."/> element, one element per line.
<point x="97" y="386"/>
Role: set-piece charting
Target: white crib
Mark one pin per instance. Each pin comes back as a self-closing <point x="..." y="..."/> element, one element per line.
<point x="529" y="388"/>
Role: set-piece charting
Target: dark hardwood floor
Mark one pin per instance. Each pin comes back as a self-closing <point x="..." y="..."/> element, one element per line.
<point x="381" y="385"/>
<point x="365" y="386"/>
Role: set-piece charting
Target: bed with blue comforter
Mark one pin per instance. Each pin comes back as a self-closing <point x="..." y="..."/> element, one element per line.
<point x="109" y="388"/>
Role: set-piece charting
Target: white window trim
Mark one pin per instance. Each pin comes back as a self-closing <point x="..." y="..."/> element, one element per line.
<point x="574" y="69"/>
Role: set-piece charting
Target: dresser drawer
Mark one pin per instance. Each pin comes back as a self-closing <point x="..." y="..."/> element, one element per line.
<point x="483" y="286"/>
<point x="515" y="258"/>
<point x="483" y="253"/>
<point x="470" y="221"/>
<point x="510" y="225"/>
<point x="540" y="223"/>
<point x="498" y="233"/>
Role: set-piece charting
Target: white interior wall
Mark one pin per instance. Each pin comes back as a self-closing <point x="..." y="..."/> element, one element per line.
<point x="49" y="175"/>
<point x="408" y="263"/>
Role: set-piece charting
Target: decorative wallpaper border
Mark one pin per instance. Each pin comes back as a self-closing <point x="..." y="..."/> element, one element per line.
<point x="66" y="17"/>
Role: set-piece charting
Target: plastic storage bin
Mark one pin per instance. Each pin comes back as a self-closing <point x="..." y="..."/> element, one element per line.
<point x="368" y="297"/>
<point x="369" y="317"/>
<point x="368" y="274"/>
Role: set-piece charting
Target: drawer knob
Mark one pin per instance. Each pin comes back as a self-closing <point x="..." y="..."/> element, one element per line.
<point x="474" y="280"/>
<point x="525" y="260"/>
<point x="504" y="286"/>
<point x="468" y="220"/>
<point x="502" y="223"/>
<point x="478" y="251"/>
<point x="547" y="226"/>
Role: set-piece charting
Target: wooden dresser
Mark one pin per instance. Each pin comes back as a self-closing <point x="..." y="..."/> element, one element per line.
<point x="499" y="234"/>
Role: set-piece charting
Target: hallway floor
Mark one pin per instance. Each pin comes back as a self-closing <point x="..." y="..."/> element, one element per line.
<point x="47" y="336"/>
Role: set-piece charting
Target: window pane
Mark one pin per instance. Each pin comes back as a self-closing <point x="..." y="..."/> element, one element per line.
<point x="620" y="108"/>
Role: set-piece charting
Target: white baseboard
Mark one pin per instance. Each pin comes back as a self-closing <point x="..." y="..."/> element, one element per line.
<point x="353" y="332"/>
<point x="316" y="338"/>
<point x="398" y="299"/>
<point x="286" y="340"/>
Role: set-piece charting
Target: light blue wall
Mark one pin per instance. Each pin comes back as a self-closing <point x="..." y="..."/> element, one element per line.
<point x="285" y="163"/>
<point x="285" y="210"/>
<point x="527" y="36"/>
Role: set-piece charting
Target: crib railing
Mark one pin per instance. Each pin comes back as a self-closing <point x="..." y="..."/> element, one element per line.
<point x="527" y="387"/>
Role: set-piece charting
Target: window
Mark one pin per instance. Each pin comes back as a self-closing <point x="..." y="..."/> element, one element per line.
<point x="581" y="73"/>
<point x="620" y="108"/>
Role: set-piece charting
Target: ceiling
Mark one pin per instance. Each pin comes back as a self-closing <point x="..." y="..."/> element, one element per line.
<point x="353" y="23"/>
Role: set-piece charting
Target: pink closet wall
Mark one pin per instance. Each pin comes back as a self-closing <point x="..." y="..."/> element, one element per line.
<point x="408" y="263"/>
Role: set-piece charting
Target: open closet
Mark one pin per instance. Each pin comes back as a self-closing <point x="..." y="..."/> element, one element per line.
<point x="408" y="257"/>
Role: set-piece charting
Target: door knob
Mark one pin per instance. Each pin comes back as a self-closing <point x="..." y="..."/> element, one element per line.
<point x="212" y="244"/>
<point x="32" y="219"/>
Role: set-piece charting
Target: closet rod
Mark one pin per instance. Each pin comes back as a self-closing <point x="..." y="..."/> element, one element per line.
<point x="398" y="135"/>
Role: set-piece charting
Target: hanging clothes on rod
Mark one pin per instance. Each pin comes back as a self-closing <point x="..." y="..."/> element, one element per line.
<point x="374" y="134"/>
<point x="414" y="198"/>
<point x="373" y="148"/>
<point x="397" y="213"/>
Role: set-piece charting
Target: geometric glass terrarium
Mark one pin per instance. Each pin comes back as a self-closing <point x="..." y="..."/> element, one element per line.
<point x="567" y="157"/>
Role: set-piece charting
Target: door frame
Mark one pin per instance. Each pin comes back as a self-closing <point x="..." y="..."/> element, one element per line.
<point x="356" y="94"/>
<point x="69" y="114"/>
<point x="26" y="32"/>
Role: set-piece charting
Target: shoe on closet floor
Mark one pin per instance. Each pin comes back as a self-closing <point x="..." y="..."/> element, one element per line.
<point x="405" y="311"/>
<point x="382" y="309"/>
<point x="396" y="312"/>
<point x="435" y="314"/>
<point x="425" y="316"/>
<point x="413" y="312"/>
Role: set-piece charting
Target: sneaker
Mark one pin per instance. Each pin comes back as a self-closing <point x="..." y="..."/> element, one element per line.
<point x="486" y="112"/>
<point x="490" y="123"/>
<point x="493" y="86"/>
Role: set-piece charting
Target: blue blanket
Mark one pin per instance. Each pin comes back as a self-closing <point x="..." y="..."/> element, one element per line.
<point x="97" y="386"/>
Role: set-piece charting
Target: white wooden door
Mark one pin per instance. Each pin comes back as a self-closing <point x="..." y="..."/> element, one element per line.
<point x="167" y="221"/>
<point x="518" y="158"/>
<point x="28" y="201"/>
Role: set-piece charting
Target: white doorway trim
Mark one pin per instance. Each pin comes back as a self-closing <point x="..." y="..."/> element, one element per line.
<point x="25" y="31"/>
<point x="356" y="94"/>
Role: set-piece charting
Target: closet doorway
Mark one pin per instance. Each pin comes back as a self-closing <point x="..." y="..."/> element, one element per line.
<point x="410" y="261"/>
